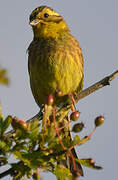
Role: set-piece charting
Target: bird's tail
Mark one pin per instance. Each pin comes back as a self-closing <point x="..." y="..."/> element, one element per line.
<point x="69" y="160"/>
<point x="75" y="167"/>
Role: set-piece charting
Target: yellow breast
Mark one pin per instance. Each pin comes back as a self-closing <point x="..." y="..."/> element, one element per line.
<point x="55" y="65"/>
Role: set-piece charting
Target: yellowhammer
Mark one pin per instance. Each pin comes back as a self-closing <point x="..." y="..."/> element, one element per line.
<point x="55" y="58"/>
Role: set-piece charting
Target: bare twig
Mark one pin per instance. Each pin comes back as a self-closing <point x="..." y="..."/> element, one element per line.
<point x="104" y="82"/>
<point x="85" y="139"/>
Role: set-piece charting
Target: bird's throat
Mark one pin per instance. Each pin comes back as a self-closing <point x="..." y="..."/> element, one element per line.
<point x="49" y="30"/>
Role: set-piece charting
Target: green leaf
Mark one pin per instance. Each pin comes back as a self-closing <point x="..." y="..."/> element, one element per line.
<point x="3" y="77"/>
<point x="19" y="155"/>
<point x="62" y="172"/>
<point x="21" y="134"/>
<point x="33" y="128"/>
<point x="20" y="146"/>
<point x="1" y="125"/>
<point x="3" y="147"/>
<point x="83" y="140"/>
<point x="88" y="163"/>
<point x="6" y="123"/>
<point x="76" y="140"/>
<point x="34" y="135"/>
<point x="34" y="159"/>
<point x="3" y="161"/>
<point x="33" y="125"/>
<point x="21" y="170"/>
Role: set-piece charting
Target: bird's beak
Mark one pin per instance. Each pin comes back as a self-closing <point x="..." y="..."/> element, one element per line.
<point x="34" y="22"/>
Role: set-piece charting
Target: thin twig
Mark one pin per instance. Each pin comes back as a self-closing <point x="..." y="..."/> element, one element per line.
<point x="57" y="132"/>
<point x="104" y="82"/>
<point x="85" y="139"/>
<point x="56" y="128"/>
<point x="73" y="160"/>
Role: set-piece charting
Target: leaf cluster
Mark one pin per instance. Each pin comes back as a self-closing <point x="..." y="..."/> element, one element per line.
<point x="3" y="77"/>
<point x="35" y="146"/>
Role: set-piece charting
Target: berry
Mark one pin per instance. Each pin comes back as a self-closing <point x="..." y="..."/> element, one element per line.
<point x="36" y="175"/>
<point x="75" y="115"/>
<point x="50" y="100"/>
<point x="99" y="121"/>
<point x="16" y="123"/>
<point x="91" y="160"/>
<point x="59" y="93"/>
<point x="78" y="127"/>
<point x="23" y="124"/>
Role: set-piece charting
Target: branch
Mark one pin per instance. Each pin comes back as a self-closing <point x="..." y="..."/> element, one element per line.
<point x="104" y="82"/>
<point x="6" y="173"/>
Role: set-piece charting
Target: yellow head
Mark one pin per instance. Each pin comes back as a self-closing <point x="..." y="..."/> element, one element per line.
<point x="47" y="23"/>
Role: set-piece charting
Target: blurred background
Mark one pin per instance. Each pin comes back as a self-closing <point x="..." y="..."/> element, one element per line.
<point x="95" y="25"/>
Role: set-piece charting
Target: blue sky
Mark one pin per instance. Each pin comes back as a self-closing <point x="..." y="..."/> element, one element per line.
<point x="95" y="26"/>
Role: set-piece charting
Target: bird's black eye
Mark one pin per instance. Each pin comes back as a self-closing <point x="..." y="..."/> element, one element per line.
<point x="46" y="15"/>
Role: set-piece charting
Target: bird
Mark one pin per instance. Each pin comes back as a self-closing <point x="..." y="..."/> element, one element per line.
<point x="55" y="60"/>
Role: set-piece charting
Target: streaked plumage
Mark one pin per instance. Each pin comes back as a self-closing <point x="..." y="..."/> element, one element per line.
<point x="55" y="59"/>
<point x="55" y="62"/>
